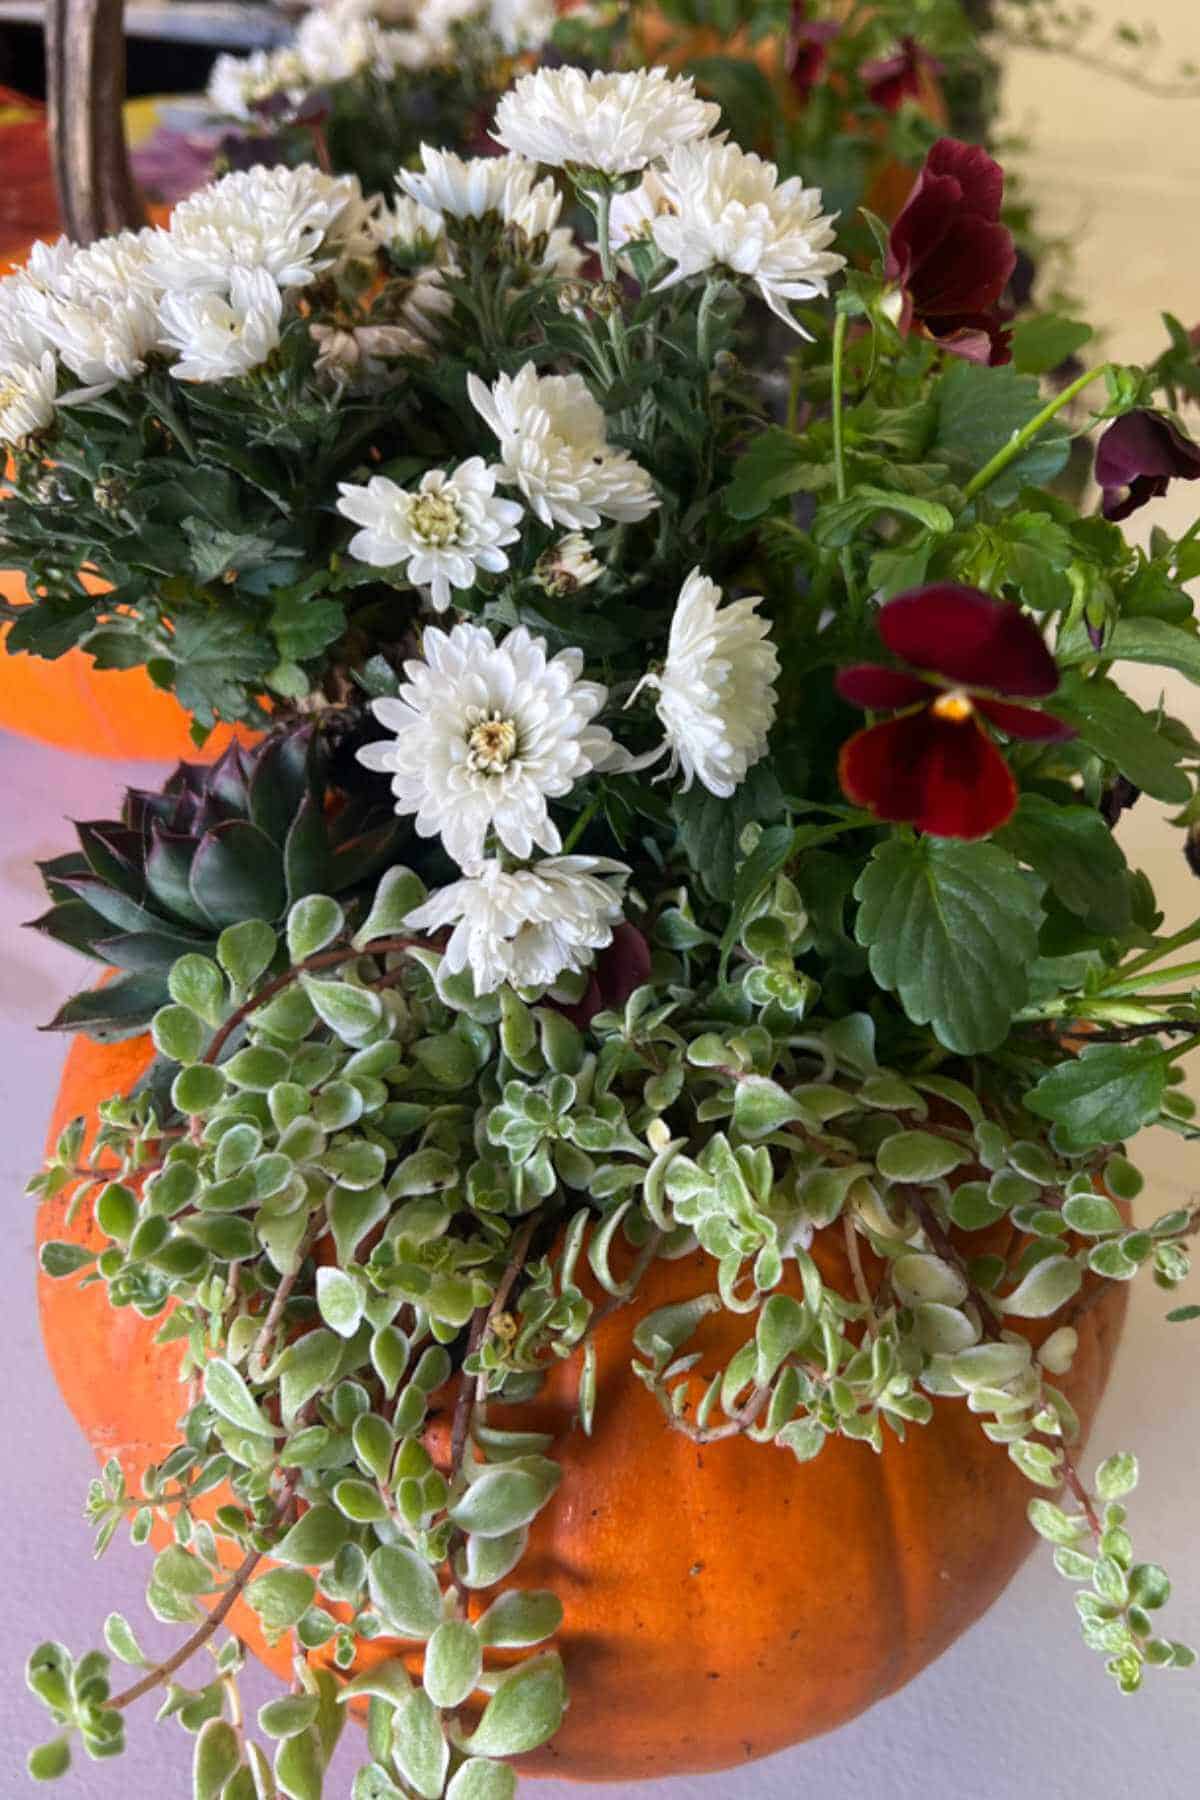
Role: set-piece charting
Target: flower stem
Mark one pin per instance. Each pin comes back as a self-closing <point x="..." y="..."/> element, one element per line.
<point x="1020" y="440"/>
<point x="704" y="321"/>
<point x="839" y="444"/>
<point x="608" y="268"/>
<point x="581" y="824"/>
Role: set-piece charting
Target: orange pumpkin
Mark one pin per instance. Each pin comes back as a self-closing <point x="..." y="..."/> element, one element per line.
<point x="721" y="1602"/>
<point x="73" y="705"/>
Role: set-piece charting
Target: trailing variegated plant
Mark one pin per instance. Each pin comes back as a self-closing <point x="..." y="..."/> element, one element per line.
<point x="682" y="956"/>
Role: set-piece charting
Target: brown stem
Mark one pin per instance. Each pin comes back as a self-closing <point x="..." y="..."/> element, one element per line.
<point x="258" y="1356"/>
<point x="470" y="1390"/>
<point x="216" y="1618"/>
<point x="736" y="1423"/>
<point x="324" y="959"/>
<point x="939" y="1239"/>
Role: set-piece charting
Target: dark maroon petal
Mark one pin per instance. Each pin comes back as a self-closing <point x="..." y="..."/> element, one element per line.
<point x="1024" y="721"/>
<point x="1142" y="452"/>
<point x="943" y="776"/>
<point x="1118" y="502"/>
<point x="981" y="338"/>
<point x="618" y="971"/>
<point x="947" y="247"/>
<point x="969" y="637"/>
<point x="978" y="175"/>
<point x="881" y="690"/>
<point x="890" y="80"/>
<point x="807" y="50"/>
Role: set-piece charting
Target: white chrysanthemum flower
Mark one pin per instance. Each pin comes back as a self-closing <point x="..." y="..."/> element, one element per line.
<point x="220" y="337"/>
<point x="553" y="447"/>
<point x="102" y="338"/>
<point x="567" y="566"/>
<point x="731" y="212"/>
<point x="444" y="531"/>
<point x="632" y="214"/>
<point x="408" y="226"/>
<point x="412" y="51"/>
<point x="486" y="734"/>
<point x="27" y="391"/>
<point x="468" y="187"/>
<point x="335" y="44"/>
<point x="521" y="25"/>
<point x="716" y="693"/>
<point x="22" y="339"/>
<point x="413" y="330"/>
<point x="527" y="926"/>
<point x="294" y="223"/>
<point x="235" y="83"/>
<point x="615" y="123"/>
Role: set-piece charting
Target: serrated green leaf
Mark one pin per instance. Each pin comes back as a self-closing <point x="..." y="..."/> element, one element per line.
<point x="952" y="928"/>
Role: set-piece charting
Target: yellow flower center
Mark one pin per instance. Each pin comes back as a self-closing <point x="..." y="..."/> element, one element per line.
<point x="957" y="707"/>
<point x="435" y="519"/>
<point x="491" y="745"/>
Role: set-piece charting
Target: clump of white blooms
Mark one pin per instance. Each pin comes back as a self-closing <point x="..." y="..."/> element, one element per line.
<point x="294" y="223"/>
<point x="442" y="533"/>
<point x="485" y="734"/>
<point x="27" y="391"/>
<point x="526" y="927"/>
<point x="730" y="212"/>
<point x="554" y="448"/>
<point x="220" y="336"/>
<point x="468" y="187"/>
<point x="355" y="40"/>
<point x="716" y="691"/>
<point x="611" y="124"/>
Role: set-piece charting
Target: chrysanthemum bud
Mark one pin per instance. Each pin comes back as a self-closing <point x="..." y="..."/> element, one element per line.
<point x="567" y="566"/>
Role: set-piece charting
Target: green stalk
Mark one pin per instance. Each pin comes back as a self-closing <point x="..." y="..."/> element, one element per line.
<point x="608" y="268"/>
<point x="1020" y="440"/>
<point x="1179" y="941"/>
<point x="839" y="443"/>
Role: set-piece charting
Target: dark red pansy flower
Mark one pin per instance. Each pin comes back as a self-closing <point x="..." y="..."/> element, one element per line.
<point x="950" y="254"/>
<point x="969" y="657"/>
<point x="891" y="80"/>
<point x="618" y="971"/>
<point x="1137" y="457"/>
<point x="807" y="49"/>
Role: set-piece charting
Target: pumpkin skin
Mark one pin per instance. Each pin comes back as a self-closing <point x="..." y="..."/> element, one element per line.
<point x="73" y="705"/>
<point x="721" y="1602"/>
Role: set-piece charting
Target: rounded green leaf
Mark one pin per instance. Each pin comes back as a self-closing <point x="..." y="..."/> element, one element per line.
<point x="359" y="1501"/>
<point x="178" y="1034"/>
<point x="226" y="1391"/>
<point x="51" y="1760"/>
<point x="117" y="1211"/>
<point x="197" y="1089"/>
<point x="504" y="1499"/>
<point x="453" y="1663"/>
<point x="313" y="923"/>
<point x="525" y="1710"/>
<point x="291" y="1713"/>
<point x="246" y="950"/>
<point x="339" y="1301"/>
<point x="196" y="982"/>
<point x="519" y="1619"/>
<point x="281" y="1598"/>
<point x="298" y="1767"/>
<point x="483" y="1780"/>
<point x="314" y="1539"/>
<point x="214" y="1760"/>
<point x="1091" y="1215"/>
<point x="1047" y="1287"/>
<point x="406" y="1592"/>
<point x="419" y="1745"/>
<point x="918" y="1156"/>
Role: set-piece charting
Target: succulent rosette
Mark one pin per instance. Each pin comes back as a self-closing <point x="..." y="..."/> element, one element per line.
<point x="585" y="1056"/>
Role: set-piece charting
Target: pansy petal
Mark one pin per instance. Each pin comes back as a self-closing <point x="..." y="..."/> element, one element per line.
<point x="943" y="776"/>
<point x="969" y="637"/>
<point x="881" y="690"/>
<point x="1024" y="721"/>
